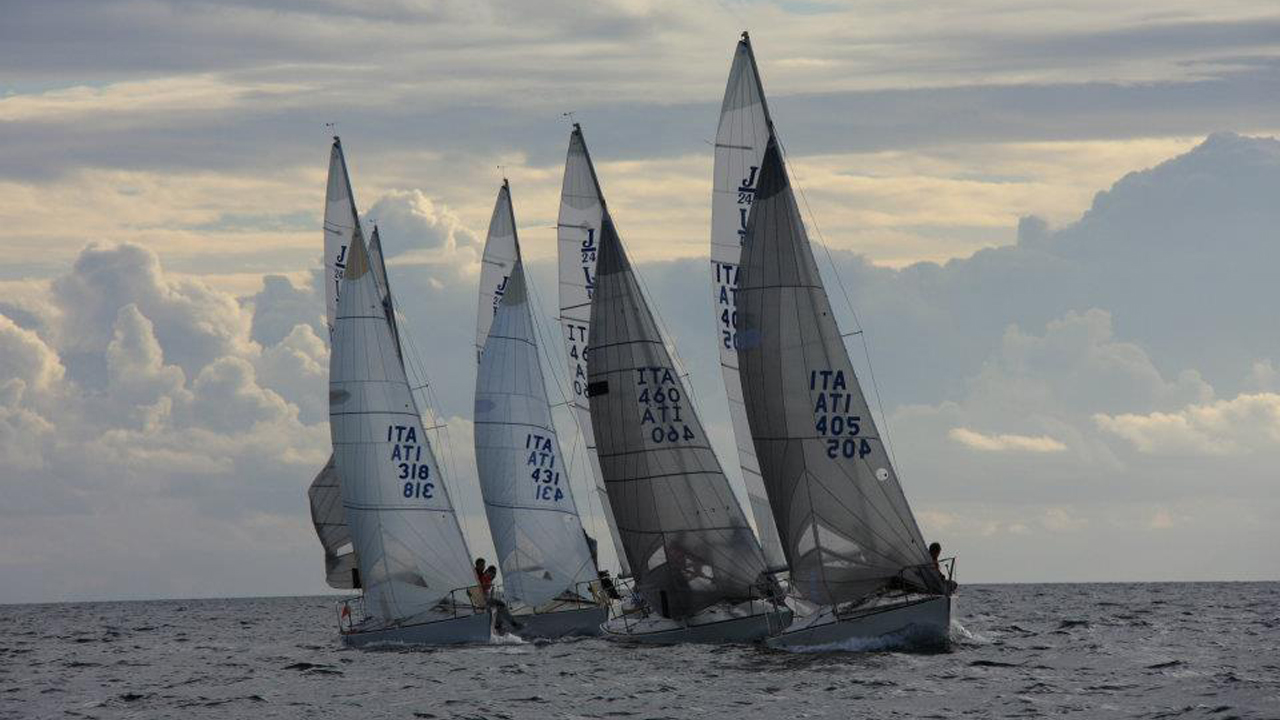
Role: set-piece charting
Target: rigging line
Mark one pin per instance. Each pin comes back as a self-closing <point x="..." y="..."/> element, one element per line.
<point x="866" y="350"/>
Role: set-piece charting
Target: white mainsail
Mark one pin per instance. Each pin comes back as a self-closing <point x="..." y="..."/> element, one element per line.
<point x="341" y="228"/>
<point x="688" y="541"/>
<point x="582" y="209"/>
<point x="500" y="255"/>
<point x="536" y="530"/>
<point x="845" y="525"/>
<point x="740" y="141"/>
<point x="411" y="550"/>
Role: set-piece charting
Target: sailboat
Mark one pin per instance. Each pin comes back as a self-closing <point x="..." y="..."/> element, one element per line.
<point x="696" y="562"/>
<point x="414" y="566"/>
<point x="859" y="567"/>
<point x="549" y="574"/>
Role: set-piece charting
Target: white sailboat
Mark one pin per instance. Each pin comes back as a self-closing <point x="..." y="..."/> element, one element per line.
<point x="549" y="575"/>
<point x="696" y="562"/>
<point x="414" y="564"/>
<point x="582" y="210"/>
<point x="859" y="566"/>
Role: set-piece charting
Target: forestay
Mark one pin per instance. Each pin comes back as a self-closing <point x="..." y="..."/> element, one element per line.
<point x="325" y="496"/>
<point x="687" y="539"/>
<point x="410" y="548"/>
<point x="740" y="141"/>
<point x="845" y="525"/>
<point x="582" y="209"/>
<point x="523" y="478"/>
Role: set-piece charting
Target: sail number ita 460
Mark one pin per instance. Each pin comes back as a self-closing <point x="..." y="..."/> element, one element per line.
<point x="660" y="403"/>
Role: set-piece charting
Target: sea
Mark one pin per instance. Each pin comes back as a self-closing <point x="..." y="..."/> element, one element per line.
<point x="1178" y="650"/>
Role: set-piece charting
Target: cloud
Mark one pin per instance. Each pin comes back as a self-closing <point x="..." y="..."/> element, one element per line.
<point x="416" y="228"/>
<point x="1005" y="441"/>
<point x="1244" y="424"/>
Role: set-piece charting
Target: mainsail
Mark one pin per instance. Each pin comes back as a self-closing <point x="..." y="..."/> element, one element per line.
<point x="536" y="530"/>
<point x="500" y="255"/>
<point x="582" y="210"/>
<point x="687" y="539"/>
<point x="845" y="524"/>
<point x="341" y="227"/>
<point x="740" y="141"/>
<point x="407" y="539"/>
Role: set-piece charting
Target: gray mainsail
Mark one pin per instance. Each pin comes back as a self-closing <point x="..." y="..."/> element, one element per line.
<point x="582" y="210"/>
<point x="523" y="477"/>
<point x="741" y="137"/>
<point x="845" y="524"/>
<point x="689" y="543"/>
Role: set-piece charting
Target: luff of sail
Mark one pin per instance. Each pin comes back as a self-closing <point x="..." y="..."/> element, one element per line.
<point x="741" y="137"/>
<point x="501" y="253"/>
<point x="523" y="477"/>
<point x="582" y="210"/>
<point x="407" y="539"/>
<point x="845" y="524"/>
<point x="687" y="539"/>
<point x="330" y="521"/>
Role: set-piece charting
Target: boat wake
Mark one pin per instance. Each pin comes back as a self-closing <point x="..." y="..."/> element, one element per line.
<point x="909" y="639"/>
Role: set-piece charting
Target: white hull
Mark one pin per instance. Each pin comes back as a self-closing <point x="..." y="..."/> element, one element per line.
<point x="924" y="621"/>
<point x="448" y="631"/>
<point x="564" y="623"/>
<point x="749" y="629"/>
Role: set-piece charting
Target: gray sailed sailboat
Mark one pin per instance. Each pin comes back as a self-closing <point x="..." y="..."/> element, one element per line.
<point x="547" y="568"/>
<point x="859" y="565"/>
<point x="694" y="557"/>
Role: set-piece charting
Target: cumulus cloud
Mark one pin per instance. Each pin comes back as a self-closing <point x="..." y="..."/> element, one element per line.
<point x="1005" y="441"/>
<point x="1243" y="424"/>
<point x="416" y="228"/>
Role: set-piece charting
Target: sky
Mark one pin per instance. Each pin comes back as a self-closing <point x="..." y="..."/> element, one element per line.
<point x="1054" y="222"/>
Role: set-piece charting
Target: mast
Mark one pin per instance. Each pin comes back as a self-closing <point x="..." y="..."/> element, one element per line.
<point x="541" y="546"/>
<point x="582" y="214"/>
<point x="688" y="542"/>
<point x="845" y="524"/>
<point x="408" y="542"/>
<point x="744" y="130"/>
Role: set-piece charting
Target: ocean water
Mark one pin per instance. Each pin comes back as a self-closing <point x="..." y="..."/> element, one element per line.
<point x="1202" y="650"/>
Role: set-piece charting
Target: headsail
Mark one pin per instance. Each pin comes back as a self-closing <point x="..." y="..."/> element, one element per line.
<point x="845" y="524"/>
<point x="341" y="228"/>
<point x="740" y="141"/>
<point x="500" y="255"/>
<point x="325" y="496"/>
<point x="523" y="475"/>
<point x="410" y="547"/>
<point x="688" y="541"/>
<point x="582" y="210"/>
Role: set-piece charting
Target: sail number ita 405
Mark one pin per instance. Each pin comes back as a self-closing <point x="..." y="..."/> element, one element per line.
<point x="406" y="457"/>
<point x="832" y="404"/>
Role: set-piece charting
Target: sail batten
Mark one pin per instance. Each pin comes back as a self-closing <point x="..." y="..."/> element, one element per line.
<point x="741" y="136"/>
<point x="542" y="549"/>
<point x="686" y="538"/>
<point x="845" y="524"/>
<point x="582" y="211"/>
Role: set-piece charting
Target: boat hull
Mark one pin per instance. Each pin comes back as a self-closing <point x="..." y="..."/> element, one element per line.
<point x="749" y="629"/>
<point x="463" y="630"/>
<point x="565" y="623"/>
<point x="918" y="622"/>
